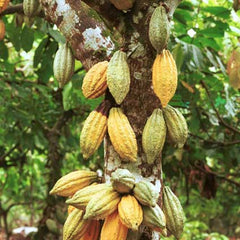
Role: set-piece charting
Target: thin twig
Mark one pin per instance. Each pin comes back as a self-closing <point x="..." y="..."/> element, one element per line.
<point x="216" y="111"/>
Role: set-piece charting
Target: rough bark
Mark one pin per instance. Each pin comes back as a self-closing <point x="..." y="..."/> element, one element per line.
<point x="90" y="38"/>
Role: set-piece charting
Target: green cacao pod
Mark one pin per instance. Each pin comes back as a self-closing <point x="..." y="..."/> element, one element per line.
<point x="164" y="77"/>
<point x="122" y="180"/>
<point x="159" y="29"/>
<point x="63" y="65"/>
<point x="102" y="205"/>
<point x="177" y="129"/>
<point x="95" y="80"/>
<point x="123" y="4"/>
<point x="69" y="184"/>
<point x="82" y="197"/>
<point x="146" y="193"/>
<point x="154" y="134"/>
<point x="122" y="135"/>
<point x="30" y="7"/>
<point x="75" y="226"/>
<point x="118" y="76"/>
<point x="173" y="212"/>
<point x="94" y="129"/>
<point x="154" y="217"/>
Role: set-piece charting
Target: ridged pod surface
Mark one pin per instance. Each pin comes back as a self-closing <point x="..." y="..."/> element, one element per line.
<point x="173" y="212"/>
<point x="122" y="136"/>
<point x="146" y="193"/>
<point x="69" y="184"/>
<point x="30" y="7"/>
<point x="70" y="209"/>
<point x="154" y="217"/>
<point x="164" y="77"/>
<point x="123" y="4"/>
<point x="3" y="5"/>
<point x="92" y="232"/>
<point x="94" y="129"/>
<point x="154" y="134"/>
<point x="75" y="226"/>
<point x="95" y="80"/>
<point x="2" y="30"/>
<point x="113" y="229"/>
<point x="63" y="65"/>
<point x="159" y="29"/>
<point x="122" y="180"/>
<point x="82" y="197"/>
<point x="118" y="76"/>
<point x="102" y="205"/>
<point x="130" y="212"/>
<point x="177" y="128"/>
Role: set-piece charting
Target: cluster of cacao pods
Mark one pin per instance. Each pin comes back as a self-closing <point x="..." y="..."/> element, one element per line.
<point x="123" y="204"/>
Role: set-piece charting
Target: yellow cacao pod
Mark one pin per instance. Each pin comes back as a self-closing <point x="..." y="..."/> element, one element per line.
<point x="63" y="65"/>
<point x="130" y="212"/>
<point x="164" y="77"/>
<point x="94" y="129"/>
<point x="173" y="212"/>
<point x="95" y="80"/>
<point x="146" y="193"/>
<point x="102" y="205"/>
<point x="123" y="4"/>
<point x="177" y="129"/>
<point x="82" y="197"/>
<point x="75" y="226"/>
<point x="92" y="232"/>
<point x="3" y="5"/>
<point x="154" y="217"/>
<point x="154" y="134"/>
<point x="30" y="7"/>
<point x="113" y="229"/>
<point x="70" y="209"/>
<point x="118" y="76"/>
<point x="69" y="184"/>
<point x="122" y="180"/>
<point x="122" y="136"/>
<point x="2" y="30"/>
<point x="159" y="29"/>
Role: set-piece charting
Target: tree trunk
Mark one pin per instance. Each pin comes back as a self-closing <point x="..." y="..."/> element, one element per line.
<point x="92" y="40"/>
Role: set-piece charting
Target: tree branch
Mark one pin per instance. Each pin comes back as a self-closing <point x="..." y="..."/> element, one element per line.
<point x="222" y="122"/>
<point x="18" y="8"/>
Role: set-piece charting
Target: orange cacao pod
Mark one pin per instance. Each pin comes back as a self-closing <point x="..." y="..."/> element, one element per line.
<point x="130" y="212"/>
<point x="2" y="30"/>
<point x="113" y="229"/>
<point x="92" y="232"/>
<point x="3" y="5"/>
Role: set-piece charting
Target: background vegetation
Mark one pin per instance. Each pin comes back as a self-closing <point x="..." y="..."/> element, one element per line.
<point x="40" y="124"/>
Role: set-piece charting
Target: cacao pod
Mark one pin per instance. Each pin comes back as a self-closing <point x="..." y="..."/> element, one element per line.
<point x="173" y="212"/>
<point x="82" y="197"/>
<point x="113" y="229"/>
<point x="122" y="136"/>
<point x="52" y="226"/>
<point x="28" y="21"/>
<point x="102" y="205"/>
<point x="75" y="226"/>
<point x="2" y="30"/>
<point x="63" y="65"/>
<point x="159" y="29"/>
<point x="92" y="232"/>
<point x="122" y="180"/>
<point x="69" y="184"/>
<point x="3" y="5"/>
<point x="164" y="77"/>
<point x="19" y="20"/>
<point x="154" y="217"/>
<point x="30" y="7"/>
<point x="118" y="76"/>
<point x="70" y="209"/>
<point x="177" y="128"/>
<point x="146" y="193"/>
<point x="95" y="80"/>
<point x="154" y="134"/>
<point x="94" y="129"/>
<point x="123" y="4"/>
<point x="130" y="212"/>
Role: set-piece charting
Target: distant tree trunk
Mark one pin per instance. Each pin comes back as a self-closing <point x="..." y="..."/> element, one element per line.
<point x="94" y="40"/>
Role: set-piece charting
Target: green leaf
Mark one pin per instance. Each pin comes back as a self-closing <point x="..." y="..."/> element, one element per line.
<point x="27" y="38"/>
<point x="39" y="52"/>
<point x="214" y="32"/>
<point x="3" y="51"/>
<point x="178" y="55"/>
<point x="217" y="11"/>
